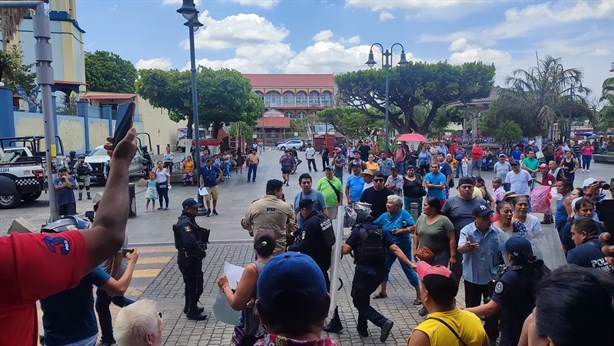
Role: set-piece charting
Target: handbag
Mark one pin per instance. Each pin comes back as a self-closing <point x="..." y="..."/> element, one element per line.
<point x="424" y="253"/>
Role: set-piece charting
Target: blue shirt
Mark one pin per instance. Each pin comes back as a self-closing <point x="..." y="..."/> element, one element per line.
<point x="516" y="154"/>
<point x="389" y="223"/>
<point x="589" y="255"/>
<point x="68" y="316"/>
<point x="435" y="180"/>
<point x="480" y="265"/>
<point x="560" y="216"/>
<point x="65" y="195"/>
<point x="385" y="165"/>
<point x="209" y="175"/>
<point x="424" y="158"/>
<point x="445" y="168"/>
<point x="355" y="184"/>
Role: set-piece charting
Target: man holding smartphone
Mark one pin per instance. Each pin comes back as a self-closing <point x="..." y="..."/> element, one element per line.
<point x="36" y="265"/>
<point x="64" y="186"/>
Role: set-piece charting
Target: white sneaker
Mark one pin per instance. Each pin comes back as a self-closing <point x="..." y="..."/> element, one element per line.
<point x="587" y="171"/>
<point x="582" y="170"/>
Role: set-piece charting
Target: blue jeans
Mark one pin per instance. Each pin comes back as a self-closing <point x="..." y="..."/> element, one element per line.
<point x="104" y="314"/>
<point x="253" y="168"/>
<point x="404" y="242"/>
<point x="227" y="169"/>
<point x="408" y="201"/>
<point x="401" y="167"/>
<point x="459" y="169"/>
<point x="586" y="161"/>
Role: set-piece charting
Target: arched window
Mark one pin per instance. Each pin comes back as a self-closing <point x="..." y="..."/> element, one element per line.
<point x="272" y="99"/>
<point x="314" y="98"/>
<point x="301" y="115"/>
<point x="289" y="115"/>
<point x="301" y="98"/>
<point x="326" y="99"/>
<point x="288" y="98"/>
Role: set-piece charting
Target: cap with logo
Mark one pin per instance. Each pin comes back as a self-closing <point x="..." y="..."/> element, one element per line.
<point x="190" y="203"/>
<point x="517" y="246"/>
<point x="481" y="211"/>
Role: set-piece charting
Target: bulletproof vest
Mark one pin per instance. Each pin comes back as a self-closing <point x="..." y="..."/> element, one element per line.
<point x="177" y="237"/>
<point x="370" y="249"/>
<point x="327" y="229"/>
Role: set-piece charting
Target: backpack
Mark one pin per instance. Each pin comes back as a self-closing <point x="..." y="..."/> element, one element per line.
<point x="370" y="249"/>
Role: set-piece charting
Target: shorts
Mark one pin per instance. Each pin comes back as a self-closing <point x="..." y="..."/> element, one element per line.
<point x="332" y="212"/>
<point x="476" y="163"/>
<point x="286" y="170"/>
<point x="213" y="192"/>
<point x="67" y="209"/>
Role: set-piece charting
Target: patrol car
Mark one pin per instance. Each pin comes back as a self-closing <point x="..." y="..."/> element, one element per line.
<point x="22" y="169"/>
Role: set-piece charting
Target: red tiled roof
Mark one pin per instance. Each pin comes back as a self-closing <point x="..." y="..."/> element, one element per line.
<point x="291" y="80"/>
<point x="108" y="96"/>
<point x="68" y="82"/>
<point x="273" y="122"/>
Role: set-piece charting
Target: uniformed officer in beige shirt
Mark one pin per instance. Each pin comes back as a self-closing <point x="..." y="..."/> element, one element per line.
<point x="271" y="212"/>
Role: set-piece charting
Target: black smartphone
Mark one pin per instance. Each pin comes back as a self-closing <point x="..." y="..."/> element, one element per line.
<point x="122" y="127"/>
<point x="126" y="251"/>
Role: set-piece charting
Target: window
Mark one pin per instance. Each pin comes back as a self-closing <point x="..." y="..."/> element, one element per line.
<point x="326" y="99"/>
<point x="301" y="98"/>
<point x="289" y="115"/>
<point x="288" y="98"/>
<point x="314" y="98"/>
<point x="272" y="99"/>
<point x="301" y="115"/>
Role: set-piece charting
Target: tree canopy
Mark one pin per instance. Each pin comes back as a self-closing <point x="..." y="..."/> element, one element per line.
<point x="606" y="114"/>
<point x="413" y="84"/>
<point x="349" y="121"/>
<point x="107" y="71"/>
<point x="14" y="72"/>
<point x="224" y="96"/>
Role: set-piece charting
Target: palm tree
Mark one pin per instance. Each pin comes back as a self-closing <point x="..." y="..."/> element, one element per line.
<point x="545" y="91"/>
<point x="10" y="18"/>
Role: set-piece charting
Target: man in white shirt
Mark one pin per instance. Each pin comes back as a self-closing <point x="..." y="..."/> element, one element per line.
<point x="519" y="179"/>
<point x="310" y="155"/>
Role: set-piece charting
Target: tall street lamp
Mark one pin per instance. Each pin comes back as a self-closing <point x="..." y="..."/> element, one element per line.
<point x="386" y="66"/>
<point x="571" y="96"/>
<point x="189" y="12"/>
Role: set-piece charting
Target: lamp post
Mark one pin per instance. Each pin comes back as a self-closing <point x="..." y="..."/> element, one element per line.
<point x="387" y="54"/>
<point x="189" y="12"/>
<point x="571" y="97"/>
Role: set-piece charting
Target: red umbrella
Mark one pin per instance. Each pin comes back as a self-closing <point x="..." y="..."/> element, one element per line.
<point x="412" y="137"/>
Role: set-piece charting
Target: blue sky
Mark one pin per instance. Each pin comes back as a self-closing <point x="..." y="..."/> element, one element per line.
<point x="333" y="36"/>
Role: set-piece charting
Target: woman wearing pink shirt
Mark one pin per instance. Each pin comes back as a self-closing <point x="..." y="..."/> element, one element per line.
<point x="587" y="156"/>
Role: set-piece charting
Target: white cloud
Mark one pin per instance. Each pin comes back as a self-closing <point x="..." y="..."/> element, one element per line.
<point x="352" y="40"/>
<point x="236" y="31"/>
<point x="259" y="3"/>
<point x="481" y="54"/>
<point x="389" y="4"/>
<point x="324" y="35"/>
<point x="385" y="15"/>
<point x="261" y="58"/>
<point x="458" y="44"/>
<point x="113" y="8"/>
<point x="159" y="63"/>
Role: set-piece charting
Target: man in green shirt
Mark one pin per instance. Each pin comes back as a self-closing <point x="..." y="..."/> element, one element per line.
<point x="530" y="164"/>
<point x="332" y="190"/>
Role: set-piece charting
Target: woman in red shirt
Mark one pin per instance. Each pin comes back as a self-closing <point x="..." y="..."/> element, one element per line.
<point x="476" y="158"/>
<point x="587" y="156"/>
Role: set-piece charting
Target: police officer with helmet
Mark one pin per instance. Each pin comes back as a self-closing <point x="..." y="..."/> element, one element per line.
<point x="315" y="239"/>
<point x="191" y="243"/>
<point x="515" y="289"/>
<point x="369" y="242"/>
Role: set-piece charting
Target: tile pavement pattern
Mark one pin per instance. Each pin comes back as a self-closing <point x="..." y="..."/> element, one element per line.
<point x="167" y="291"/>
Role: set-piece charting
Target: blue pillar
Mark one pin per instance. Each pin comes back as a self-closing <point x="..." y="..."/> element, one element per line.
<point x="108" y="114"/>
<point x="83" y="113"/>
<point x="7" y="118"/>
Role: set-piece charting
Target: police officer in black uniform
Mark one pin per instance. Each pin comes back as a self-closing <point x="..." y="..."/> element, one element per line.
<point x="369" y="250"/>
<point x="315" y="240"/>
<point x="515" y="288"/>
<point x="191" y="243"/>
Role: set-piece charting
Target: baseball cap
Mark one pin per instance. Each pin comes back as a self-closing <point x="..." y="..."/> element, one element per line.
<point x="190" y="203"/>
<point x="517" y="246"/>
<point x="423" y="269"/>
<point x="291" y="279"/>
<point x="305" y="203"/>
<point x="588" y="181"/>
<point x="543" y="165"/>
<point x="394" y="168"/>
<point x="466" y="180"/>
<point x="367" y="172"/>
<point x="513" y="162"/>
<point x="481" y="210"/>
<point x="330" y="168"/>
<point x="355" y="165"/>
<point x="66" y="224"/>
<point x="501" y="155"/>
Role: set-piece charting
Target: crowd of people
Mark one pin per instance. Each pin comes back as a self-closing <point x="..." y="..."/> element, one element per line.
<point x="399" y="206"/>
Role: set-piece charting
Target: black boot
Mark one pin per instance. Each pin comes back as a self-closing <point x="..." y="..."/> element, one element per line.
<point x="187" y="304"/>
<point x="196" y="316"/>
<point x="334" y="326"/>
<point x="88" y="195"/>
<point x="80" y="195"/>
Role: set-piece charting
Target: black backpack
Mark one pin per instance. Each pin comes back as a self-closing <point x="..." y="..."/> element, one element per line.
<point x="370" y="249"/>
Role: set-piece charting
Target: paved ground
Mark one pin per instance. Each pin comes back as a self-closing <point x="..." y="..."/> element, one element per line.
<point x="157" y="276"/>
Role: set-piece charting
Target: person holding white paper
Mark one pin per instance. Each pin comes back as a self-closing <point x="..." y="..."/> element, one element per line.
<point x="244" y="296"/>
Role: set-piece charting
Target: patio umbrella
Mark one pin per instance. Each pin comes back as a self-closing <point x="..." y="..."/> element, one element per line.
<point x="412" y="137"/>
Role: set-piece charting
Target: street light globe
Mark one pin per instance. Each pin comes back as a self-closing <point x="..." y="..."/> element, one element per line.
<point x="371" y="61"/>
<point x="188" y="9"/>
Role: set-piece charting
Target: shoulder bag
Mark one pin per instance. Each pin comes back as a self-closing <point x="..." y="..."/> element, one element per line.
<point x="450" y="328"/>
<point x="334" y="188"/>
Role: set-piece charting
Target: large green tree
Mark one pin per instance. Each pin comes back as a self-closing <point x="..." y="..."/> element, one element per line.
<point x="507" y="133"/>
<point x="107" y="71"/>
<point x="414" y="84"/>
<point x="346" y="120"/>
<point x="14" y="72"/>
<point x="606" y="114"/>
<point x="224" y="96"/>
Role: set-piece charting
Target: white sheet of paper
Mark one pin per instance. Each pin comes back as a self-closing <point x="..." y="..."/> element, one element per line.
<point x="203" y="191"/>
<point x="221" y="309"/>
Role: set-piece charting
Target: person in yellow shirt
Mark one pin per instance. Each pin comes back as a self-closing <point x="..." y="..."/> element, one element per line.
<point x="446" y="324"/>
<point x="371" y="164"/>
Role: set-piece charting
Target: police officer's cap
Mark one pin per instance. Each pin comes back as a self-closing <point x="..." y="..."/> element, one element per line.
<point x="517" y="247"/>
<point x="305" y="203"/>
<point x="190" y="203"/>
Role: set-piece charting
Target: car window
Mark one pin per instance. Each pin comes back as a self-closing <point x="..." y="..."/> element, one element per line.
<point x="98" y="152"/>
